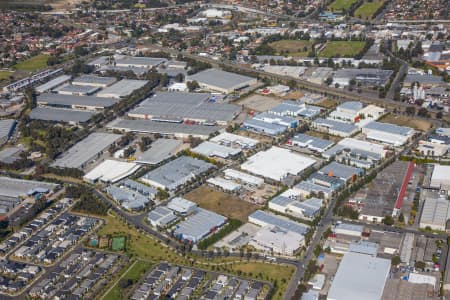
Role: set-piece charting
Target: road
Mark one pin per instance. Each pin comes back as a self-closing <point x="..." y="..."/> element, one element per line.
<point x="403" y="70"/>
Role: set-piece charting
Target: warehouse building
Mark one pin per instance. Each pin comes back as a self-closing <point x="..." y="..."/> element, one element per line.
<point x="388" y="133"/>
<point x="90" y="103"/>
<point x="48" y="86"/>
<point x="275" y="240"/>
<point x="347" y="111"/>
<point x="348" y="229"/>
<point x="365" y="76"/>
<point x="179" y="107"/>
<point x="440" y="178"/>
<point x="159" y="151"/>
<point x="76" y="90"/>
<point x="221" y="81"/>
<point x="263" y="219"/>
<point x="426" y="148"/>
<point x="307" y="209"/>
<point x="128" y="199"/>
<point x="295" y="109"/>
<point x="122" y="89"/>
<point x="309" y="189"/>
<point x="92" y="80"/>
<point x="277" y="163"/>
<point x="262" y="127"/>
<point x="176" y="173"/>
<point x="224" y="184"/>
<point x="243" y="178"/>
<point x="138" y="61"/>
<point x="331" y="182"/>
<point x="181" y="206"/>
<point x="334" y="127"/>
<point x="85" y="150"/>
<point x="344" y="172"/>
<point x="198" y="225"/>
<point x="139" y="188"/>
<point x="425" y="80"/>
<point x="286" y="121"/>
<point x="210" y="149"/>
<point x="111" y="171"/>
<point x="17" y="188"/>
<point x="310" y="142"/>
<point x="234" y="141"/>
<point x="183" y="131"/>
<point x="360" y="276"/>
<point x="61" y="115"/>
<point x="7" y="127"/>
<point x="161" y="216"/>
<point x="435" y="213"/>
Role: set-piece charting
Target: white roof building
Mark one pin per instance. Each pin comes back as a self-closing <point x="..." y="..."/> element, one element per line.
<point x="234" y="140"/>
<point x="273" y="239"/>
<point x="226" y="185"/>
<point x="440" y="178"/>
<point x="243" y="177"/>
<point x="435" y="213"/>
<point x="181" y="206"/>
<point x="211" y="149"/>
<point x="111" y="171"/>
<point x="388" y="133"/>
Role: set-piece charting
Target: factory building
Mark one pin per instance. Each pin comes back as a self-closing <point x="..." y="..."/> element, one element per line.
<point x="221" y="81"/>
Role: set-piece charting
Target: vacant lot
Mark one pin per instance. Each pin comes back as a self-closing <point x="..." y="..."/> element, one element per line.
<point x="259" y="103"/>
<point x="367" y="9"/>
<point x="221" y="203"/>
<point x="4" y="75"/>
<point x="421" y="125"/>
<point x="342" y="49"/>
<point x="292" y="47"/>
<point x="339" y="5"/>
<point x="327" y="103"/>
<point x="33" y="64"/>
<point x="323" y="135"/>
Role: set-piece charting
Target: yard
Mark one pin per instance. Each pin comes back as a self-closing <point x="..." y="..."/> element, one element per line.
<point x="340" y="5"/>
<point x="4" y="75"/>
<point x="32" y="64"/>
<point x="421" y="125"/>
<point x="342" y="49"/>
<point x="221" y="203"/>
<point x="292" y="47"/>
<point x="367" y="9"/>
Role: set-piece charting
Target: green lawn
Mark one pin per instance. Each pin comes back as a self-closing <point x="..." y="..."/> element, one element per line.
<point x="4" y="75"/>
<point x="342" y="49"/>
<point x="32" y="64"/>
<point x="367" y="9"/>
<point x="339" y="5"/>
<point x="292" y="47"/>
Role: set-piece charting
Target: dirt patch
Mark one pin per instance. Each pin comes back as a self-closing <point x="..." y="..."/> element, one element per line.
<point x="324" y="136"/>
<point x="259" y="103"/>
<point x="421" y="125"/>
<point x="294" y="95"/>
<point x="221" y="203"/>
<point x="327" y="103"/>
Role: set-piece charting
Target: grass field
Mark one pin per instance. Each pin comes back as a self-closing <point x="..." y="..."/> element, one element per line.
<point x="118" y="243"/>
<point x="339" y="5"/>
<point x="367" y="9"/>
<point x="327" y="103"/>
<point x="421" y="125"/>
<point x="32" y="64"/>
<point x="292" y="47"/>
<point x="342" y="49"/>
<point x="4" y="75"/>
<point x="134" y="273"/>
<point x="221" y="203"/>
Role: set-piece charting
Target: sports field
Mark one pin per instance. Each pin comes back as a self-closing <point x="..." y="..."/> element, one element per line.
<point x="221" y="203"/>
<point x="118" y="243"/>
<point x="32" y="64"/>
<point x="367" y="9"/>
<point x="342" y="49"/>
<point x="339" y="5"/>
<point x="292" y="47"/>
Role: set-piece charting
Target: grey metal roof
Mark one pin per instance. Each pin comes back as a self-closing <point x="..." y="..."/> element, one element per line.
<point x="53" y="83"/>
<point x="177" y="98"/>
<point x="352" y="105"/>
<point x="85" y="150"/>
<point x="340" y="170"/>
<point x="125" y="195"/>
<point x="312" y="187"/>
<point x="219" y="78"/>
<point x="269" y="128"/>
<point x="270" y="116"/>
<point x="336" y="125"/>
<point x="122" y="88"/>
<point x="198" y="225"/>
<point x="69" y="100"/>
<point x="148" y="126"/>
<point x="280" y="222"/>
<point x="177" y="171"/>
<point x="93" y="79"/>
<point x="364" y="74"/>
<point x="334" y="181"/>
<point x="212" y="149"/>
<point x="134" y="60"/>
<point x="310" y="207"/>
<point x="81" y="89"/>
<point x="355" y="152"/>
<point x="282" y="200"/>
<point x="426" y="78"/>
<point x="13" y="187"/>
<point x="136" y="70"/>
<point x="312" y="141"/>
<point x="10" y="155"/>
<point x="138" y="187"/>
<point x="159" y="150"/>
<point x="389" y="128"/>
<point x="6" y="127"/>
<point x="60" y="115"/>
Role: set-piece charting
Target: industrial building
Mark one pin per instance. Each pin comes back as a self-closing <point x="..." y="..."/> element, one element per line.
<point x="360" y="276"/>
<point x="50" y="85"/>
<point x="347" y="111"/>
<point x="122" y="89"/>
<point x="128" y="199"/>
<point x="176" y="173"/>
<point x="365" y="76"/>
<point x="76" y="90"/>
<point x="348" y="229"/>
<point x="325" y="180"/>
<point x="388" y="133"/>
<point x="440" y="178"/>
<point x="435" y="213"/>
<point x="161" y="216"/>
<point x="221" y="81"/>
<point x="259" y="126"/>
<point x="85" y="150"/>
<point x="433" y="149"/>
<point x="18" y="188"/>
<point x="176" y="107"/>
<point x="90" y="103"/>
<point x="224" y="184"/>
<point x="111" y="171"/>
<point x="277" y="163"/>
<point x="7" y="127"/>
<point x="310" y="142"/>
<point x="210" y="149"/>
<point x="198" y="225"/>
<point x="334" y="127"/>
<point x="181" y="206"/>
<point x="138" y="61"/>
<point x="93" y="80"/>
<point x="286" y="121"/>
<point x="234" y="141"/>
<point x="243" y="178"/>
<point x="166" y="129"/>
<point x="263" y="219"/>
<point x="61" y="115"/>
<point x="307" y="209"/>
<point x="159" y="151"/>
<point x="295" y="109"/>
<point x="276" y="240"/>
<point x="308" y="189"/>
<point x="344" y="172"/>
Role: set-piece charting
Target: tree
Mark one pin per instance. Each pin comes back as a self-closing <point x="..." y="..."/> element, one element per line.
<point x="388" y="220"/>
<point x="420" y="265"/>
<point x="192" y="85"/>
<point x="401" y="218"/>
<point x="410" y="111"/>
<point x="395" y="260"/>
